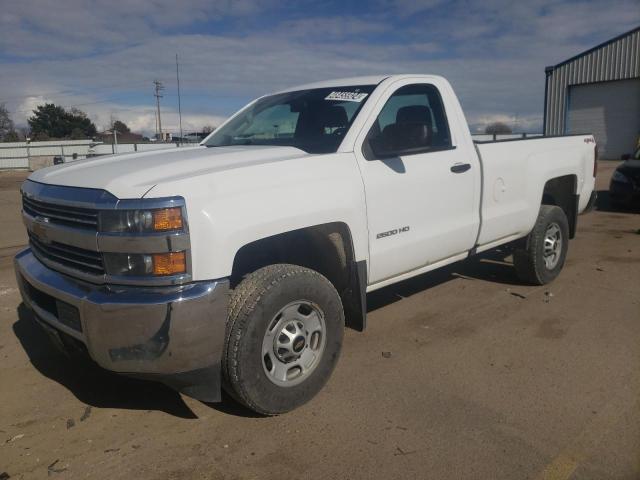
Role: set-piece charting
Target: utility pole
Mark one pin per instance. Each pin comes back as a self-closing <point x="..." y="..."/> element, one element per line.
<point x="179" y="106"/>
<point x="158" y="89"/>
<point x="114" y="148"/>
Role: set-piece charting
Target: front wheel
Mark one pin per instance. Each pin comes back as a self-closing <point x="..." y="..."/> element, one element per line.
<point x="284" y="335"/>
<point x="541" y="258"/>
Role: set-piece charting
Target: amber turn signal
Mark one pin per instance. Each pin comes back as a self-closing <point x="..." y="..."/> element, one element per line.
<point x="167" y="219"/>
<point x="171" y="263"/>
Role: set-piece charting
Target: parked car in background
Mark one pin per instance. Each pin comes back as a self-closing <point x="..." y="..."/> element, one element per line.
<point x="624" y="189"/>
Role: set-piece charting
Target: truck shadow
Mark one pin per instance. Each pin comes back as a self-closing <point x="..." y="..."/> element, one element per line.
<point x="91" y="384"/>
<point x="603" y="204"/>
<point x="494" y="266"/>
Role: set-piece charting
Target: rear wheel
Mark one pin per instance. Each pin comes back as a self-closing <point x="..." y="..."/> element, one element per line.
<point x="284" y="335"/>
<point x="541" y="258"/>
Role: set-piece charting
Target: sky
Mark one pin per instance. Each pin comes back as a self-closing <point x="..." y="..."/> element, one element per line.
<point x="102" y="56"/>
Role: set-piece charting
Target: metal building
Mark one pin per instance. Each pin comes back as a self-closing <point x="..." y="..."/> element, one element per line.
<point x="598" y="91"/>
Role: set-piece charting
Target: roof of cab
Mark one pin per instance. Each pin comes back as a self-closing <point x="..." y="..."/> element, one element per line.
<point x="341" y="82"/>
<point x="345" y="82"/>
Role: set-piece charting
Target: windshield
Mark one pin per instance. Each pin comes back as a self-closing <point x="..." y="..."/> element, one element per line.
<point x="313" y="120"/>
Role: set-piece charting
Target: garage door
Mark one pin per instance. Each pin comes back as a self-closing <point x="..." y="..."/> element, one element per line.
<point x="609" y="110"/>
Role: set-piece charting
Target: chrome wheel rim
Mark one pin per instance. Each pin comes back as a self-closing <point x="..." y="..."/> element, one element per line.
<point x="552" y="246"/>
<point x="294" y="343"/>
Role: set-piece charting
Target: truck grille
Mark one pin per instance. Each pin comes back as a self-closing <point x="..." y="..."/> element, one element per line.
<point x="68" y="256"/>
<point x="77" y="217"/>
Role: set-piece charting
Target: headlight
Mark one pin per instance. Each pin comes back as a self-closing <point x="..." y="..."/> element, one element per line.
<point x="139" y="264"/>
<point x="141" y="221"/>
<point x="620" y="177"/>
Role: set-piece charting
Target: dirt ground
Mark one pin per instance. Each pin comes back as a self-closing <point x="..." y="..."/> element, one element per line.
<point x="484" y="378"/>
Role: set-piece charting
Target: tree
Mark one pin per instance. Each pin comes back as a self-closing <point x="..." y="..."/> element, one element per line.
<point x="121" y="127"/>
<point x="11" y="136"/>
<point x="40" y="136"/>
<point x="53" y="121"/>
<point x="77" y="112"/>
<point x="49" y="120"/>
<point x="497" y="128"/>
<point x="23" y="133"/>
<point x="77" y="134"/>
<point x="208" y="129"/>
<point x="6" y="124"/>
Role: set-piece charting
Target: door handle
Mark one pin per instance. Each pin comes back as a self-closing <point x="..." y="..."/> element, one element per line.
<point x="460" y="167"/>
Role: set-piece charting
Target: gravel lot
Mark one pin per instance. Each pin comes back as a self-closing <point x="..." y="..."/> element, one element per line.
<point x="484" y="378"/>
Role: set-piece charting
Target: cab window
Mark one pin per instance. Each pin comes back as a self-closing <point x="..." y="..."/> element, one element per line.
<point x="412" y="121"/>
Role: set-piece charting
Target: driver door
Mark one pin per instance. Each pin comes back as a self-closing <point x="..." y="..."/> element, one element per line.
<point x="420" y="188"/>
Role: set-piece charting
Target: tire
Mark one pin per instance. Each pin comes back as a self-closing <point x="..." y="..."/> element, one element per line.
<point x="265" y="306"/>
<point x="533" y="264"/>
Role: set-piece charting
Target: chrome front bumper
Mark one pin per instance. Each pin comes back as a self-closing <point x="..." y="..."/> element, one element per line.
<point x="173" y="334"/>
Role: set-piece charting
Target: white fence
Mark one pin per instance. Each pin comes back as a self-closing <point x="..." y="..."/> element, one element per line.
<point x="23" y="155"/>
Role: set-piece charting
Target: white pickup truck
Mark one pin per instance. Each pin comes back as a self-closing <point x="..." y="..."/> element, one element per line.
<point x="235" y="264"/>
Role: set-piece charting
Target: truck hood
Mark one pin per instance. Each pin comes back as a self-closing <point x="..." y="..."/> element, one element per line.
<point x="132" y="175"/>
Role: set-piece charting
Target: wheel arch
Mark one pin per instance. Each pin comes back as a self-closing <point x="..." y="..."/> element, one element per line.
<point x="326" y="248"/>
<point x="562" y="192"/>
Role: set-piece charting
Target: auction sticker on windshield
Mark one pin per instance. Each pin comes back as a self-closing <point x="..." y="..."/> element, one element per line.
<point x="347" y="96"/>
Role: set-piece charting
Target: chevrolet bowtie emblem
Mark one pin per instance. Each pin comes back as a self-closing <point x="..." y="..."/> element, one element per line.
<point x="39" y="229"/>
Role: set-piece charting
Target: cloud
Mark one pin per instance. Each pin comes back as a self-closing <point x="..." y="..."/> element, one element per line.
<point x="38" y="28"/>
<point x="331" y="28"/>
<point x="139" y="118"/>
<point x="406" y="8"/>
<point x="104" y="59"/>
<point x="142" y="118"/>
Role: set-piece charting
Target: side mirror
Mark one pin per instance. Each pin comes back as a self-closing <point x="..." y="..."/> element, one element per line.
<point x="381" y="148"/>
<point x="626" y="156"/>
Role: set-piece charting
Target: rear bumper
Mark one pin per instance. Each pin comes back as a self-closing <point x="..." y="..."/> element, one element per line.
<point x="171" y="334"/>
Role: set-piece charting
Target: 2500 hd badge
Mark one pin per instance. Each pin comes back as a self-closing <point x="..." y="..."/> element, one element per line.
<point x="395" y="231"/>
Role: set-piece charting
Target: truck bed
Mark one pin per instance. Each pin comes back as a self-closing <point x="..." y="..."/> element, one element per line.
<point x="514" y="173"/>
